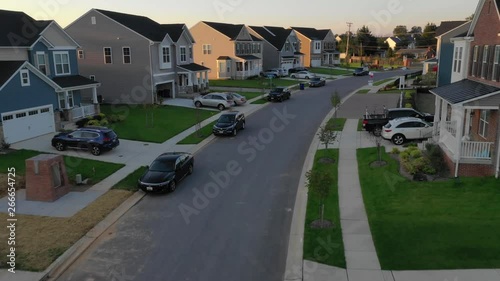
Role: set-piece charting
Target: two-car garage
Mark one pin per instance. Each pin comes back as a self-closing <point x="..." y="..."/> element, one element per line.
<point x="28" y="123"/>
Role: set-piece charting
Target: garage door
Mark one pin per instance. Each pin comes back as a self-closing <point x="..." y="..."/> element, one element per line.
<point x="28" y="123"/>
<point x="316" y="63"/>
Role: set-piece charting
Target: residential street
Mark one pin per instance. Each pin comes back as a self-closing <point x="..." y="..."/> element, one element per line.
<point x="230" y="219"/>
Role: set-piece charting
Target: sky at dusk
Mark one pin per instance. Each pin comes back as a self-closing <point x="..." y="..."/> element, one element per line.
<point x="381" y="16"/>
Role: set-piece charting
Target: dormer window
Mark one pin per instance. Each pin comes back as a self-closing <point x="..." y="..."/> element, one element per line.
<point x="25" y="78"/>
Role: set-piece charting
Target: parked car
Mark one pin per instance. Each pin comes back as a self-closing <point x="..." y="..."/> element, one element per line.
<point x="296" y="69"/>
<point x="229" y="123"/>
<point x="406" y="128"/>
<point x="374" y="122"/>
<point x="94" y="139"/>
<point x="166" y="171"/>
<point x="360" y="71"/>
<point x="317" y="82"/>
<point x="237" y="98"/>
<point x="218" y="100"/>
<point x="271" y="72"/>
<point x="279" y="94"/>
<point x="281" y="71"/>
<point x="303" y="75"/>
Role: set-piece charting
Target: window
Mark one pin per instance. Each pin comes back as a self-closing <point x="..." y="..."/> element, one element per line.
<point x="61" y="60"/>
<point x="8" y="117"/>
<point x="21" y="115"/>
<point x="127" y="57"/>
<point x="92" y="20"/>
<point x="92" y="77"/>
<point x="207" y="49"/>
<point x="190" y="52"/>
<point x="80" y="54"/>
<point x="483" y="123"/>
<point x="239" y="66"/>
<point x="62" y="100"/>
<point x="496" y="65"/>
<point x="41" y="62"/>
<point x="108" y="55"/>
<point x="484" y="69"/>
<point x="25" y="77"/>
<point x="33" y="112"/>
<point x="474" y="60"/>
<point x="166" y="54"/>
<point x="44" y="110"/>
<point x="287" y="46"/>
<point x="317" y="46"/>
<point x="183" y="54"/>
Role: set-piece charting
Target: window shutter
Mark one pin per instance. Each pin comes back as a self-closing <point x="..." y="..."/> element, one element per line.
<point x="479" y="61"/>
<point x="491" y="56"/>
<point x="471" y="62"/>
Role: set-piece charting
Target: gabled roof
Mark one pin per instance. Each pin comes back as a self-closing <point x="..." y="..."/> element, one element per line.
<point x="7" y="69"/>
<point x="174" y="30"/>
<point x="311" y="33"/>
<point x="230" y="30"/>
<point x="477" y="14"/>
<point x="446" y="26"/>
<point x="276" y="36"/>
<point x="193" y="67"/>
<point x="73" y="81"/>
<point x="395" y="39"/>
<point x="464" y="90"/>
<point x="12" y="25"/>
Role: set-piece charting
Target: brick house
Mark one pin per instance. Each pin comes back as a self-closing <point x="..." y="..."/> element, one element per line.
<point x="467" y="110"/>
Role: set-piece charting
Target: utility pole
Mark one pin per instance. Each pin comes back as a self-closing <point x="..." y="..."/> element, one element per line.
<point x="347" y="47"/>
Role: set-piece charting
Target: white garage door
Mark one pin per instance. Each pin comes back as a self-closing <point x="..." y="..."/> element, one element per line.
<point x="28" y="123"/>
<point x="316" y="63"/>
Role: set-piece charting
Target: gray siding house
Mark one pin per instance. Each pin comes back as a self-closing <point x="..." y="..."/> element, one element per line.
<point x="137" y="60"/>
<point x="318" y="46"/>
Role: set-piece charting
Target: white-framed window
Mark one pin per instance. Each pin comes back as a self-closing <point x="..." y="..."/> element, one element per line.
<point x="496" y="65"/>
<point x="165" y="57"/>
<point x="183" y="54"/>
<point x="81" y="55"/>
<point x="25" y="77"/>
<point x="474" y="61"/>
<point x="483" y="123"/>
<point x="484" y="69"/>
<point x="61" y="61"/>
<point x="207" y="49"/>
<point x="190" y="52"/>
<point x="62" y="100"/>
<point x="166" y="54"/>
<point x="127" y="55"/>
<point x="108" y="55"/>
<point x="41" y="62"/>
<point x="92" y="77"/>
<point x="287" y="46"/>
<point x="457" y="60"/>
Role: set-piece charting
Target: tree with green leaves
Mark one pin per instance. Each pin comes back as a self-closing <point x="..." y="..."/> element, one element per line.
<point x="320" y="183"/>
<point x="416" y="30"/>
<point x="400" y="31"/>
<point x="366" y="41"/>
<point x="428" y="38"/>
<point x="326" y="135"/>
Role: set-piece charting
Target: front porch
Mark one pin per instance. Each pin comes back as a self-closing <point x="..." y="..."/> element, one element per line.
<point x="248" y="66"/>
<point x="191" y="78"/>
<point x="331" y="59"/>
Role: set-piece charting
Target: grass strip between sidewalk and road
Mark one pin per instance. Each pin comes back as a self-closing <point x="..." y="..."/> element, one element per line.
<point x="363" y="91"/>
<point x="325" y="245"/>
<point x="199" y="136"/>
<point x="129" y="183"/>
<point x="451" y="224"/>
<point x="336" y="124"/>
<point x="380" y="82"/>
<point x="360" y="125"/>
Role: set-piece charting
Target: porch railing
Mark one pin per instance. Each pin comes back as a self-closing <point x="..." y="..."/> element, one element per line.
<point x="476" y="150"/>
<point x="451" y="127"/>
<point x="82" y="111"/>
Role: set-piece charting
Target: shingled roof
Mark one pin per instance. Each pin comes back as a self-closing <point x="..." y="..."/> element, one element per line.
<point x="464" y="90"/>
<point x="13" y="27"/>
<point x="311" y="33"/>
<point x="276" y="36"/>
<point x="230" y="30"/>
<point x="7" y="69"/>
<point x="446" y="26"/>
<point x="174" y="30"/>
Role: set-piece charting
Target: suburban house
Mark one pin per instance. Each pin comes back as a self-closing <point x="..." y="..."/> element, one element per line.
<point x="137" y="60"/>
<point x="444" y="51"/>
<point x="40" y="86"/>
<point x="228" y="49"/>
<point x="467" y="110"/>
<point x="281" y="47"/>
<point x="393" y="42"/>
<point x="318" y="46"/>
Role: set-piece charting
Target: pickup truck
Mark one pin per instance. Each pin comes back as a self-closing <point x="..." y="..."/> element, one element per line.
<point x="374" y="122"/>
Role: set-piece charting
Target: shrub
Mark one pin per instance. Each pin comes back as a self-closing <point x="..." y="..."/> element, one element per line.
<point x="395" y="150"/>
<point x="4" y="145"/>
<point x="435" y="156"/>
<point x="415" y="152"/>
<point x="408" y="95"/>
<point x="93" y="122"/>
<point x="82" y="122"/>
<point x="415" y="162"/>
<point x="113" y="118"/>
<point x="104" y="122"/>
<point x="408" y="105"/>
<point x="121" y="118"/>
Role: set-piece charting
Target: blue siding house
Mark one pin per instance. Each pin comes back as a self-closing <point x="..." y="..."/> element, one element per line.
<point x="40" y="86"/>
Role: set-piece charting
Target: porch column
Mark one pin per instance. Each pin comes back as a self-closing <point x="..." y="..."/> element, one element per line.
<point x="467" y="121"/>
<point x="66" y="103"/>
<point x="190" y="79"/>
<point x="94" y="95"/>
<point x="444" y="109"/>
<point x="437" y="118"/>
<point x="458" y="114"/>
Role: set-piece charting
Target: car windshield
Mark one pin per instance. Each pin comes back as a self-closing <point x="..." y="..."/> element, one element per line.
<point x="315" y="79"/>
<point x="226" y="119"/>
<point x="278" y="90"/>
<point x="162" y="166"/>
<point x="359" y="69"/>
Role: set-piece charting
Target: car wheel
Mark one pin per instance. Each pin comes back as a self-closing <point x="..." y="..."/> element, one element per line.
<point x="377" y="131"/>
<point x="221" y="107"/>
<point x="398" y="139"/>
<point x="60" y="146"/>
<point x="197" y="104"/>
<point x="292" y="76"/>
<point x="235" y="104"/>
<point x="95" y="150"/>
<point x="235" y="131"/>
<point x="190" y="169"/>
<point x="243" y="126"/>
<point x="172" y="186"/>
<point x="307" y="77"/>
<point x="280" y="99"/>
<point x="268" y="99"/>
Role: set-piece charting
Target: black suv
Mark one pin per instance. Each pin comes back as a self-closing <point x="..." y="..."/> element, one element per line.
<point x="279" y="94"/>
<point x="94" y="139"/>
<point x="229" y="123"/>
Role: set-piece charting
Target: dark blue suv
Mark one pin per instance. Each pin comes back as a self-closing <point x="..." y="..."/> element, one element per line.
<point x="94" y="139"/>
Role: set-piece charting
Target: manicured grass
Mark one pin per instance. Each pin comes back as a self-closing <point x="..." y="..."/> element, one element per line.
<point x="360" y="125"/>
<point x="260" y="101"/>
<point x="154" y="124"/>
<point x="336" y="123"/>
<point x="197" y="137"/>
<point x="251" y="95"/>
<point x="325" y="245"/>
<point x="363" y="91"/>
<point x="329" y="71"/>
<point x="252" y="83"/>
<point x="396" y="91"/>
<point x="129" y="183"/>
<point x="378" y="83"/>
<point x="430" y="225"/>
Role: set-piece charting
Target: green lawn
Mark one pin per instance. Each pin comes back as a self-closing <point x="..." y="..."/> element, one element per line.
<point x="430" y="225"/>
<point x="130" y="182"/>
<point x="329" y="71"/>
<point x="380" y="82"/>
<point x="363" y="91"/>
<point x="360" y="125"/>
<point x="260" y="101"/>
<point x="336" y="123"/>
<point x="251" y="95"/>
<point x="197" y="137"/>
<point x="252" y="83"/>
<point x="325" y="245"/>
<point x="156" y="124"/>
<point x="96" y="170"/>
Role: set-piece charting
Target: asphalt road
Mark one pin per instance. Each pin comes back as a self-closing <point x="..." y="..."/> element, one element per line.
<point x="230" y="220"/>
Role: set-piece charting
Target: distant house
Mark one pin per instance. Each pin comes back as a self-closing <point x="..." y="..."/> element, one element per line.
<point x="136" y="59"/>
<point x="467" y="110"/>
<point x="318" y="46"/>
<point x="281" y="47"/>
<point x="393" y="42"/>
<point x="40" y="86"/>
<point x="228" y="49"/>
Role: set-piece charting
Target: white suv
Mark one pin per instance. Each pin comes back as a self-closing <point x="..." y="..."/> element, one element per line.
<point x="219" y="100"/>
<point x="406" y="128"/>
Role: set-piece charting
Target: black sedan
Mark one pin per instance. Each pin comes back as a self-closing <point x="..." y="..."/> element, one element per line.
<point x="360" y="71"/>
<point x="317" y="82"/>
<point x="279" y="94"/>
<point x="166" y="171"/>
<point x="229" y="123"/>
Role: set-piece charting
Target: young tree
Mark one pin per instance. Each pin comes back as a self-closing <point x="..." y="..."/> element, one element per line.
<point x="336" y="102"/>
<point x="326" y="135"/>
<point x="319" y="183"/>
